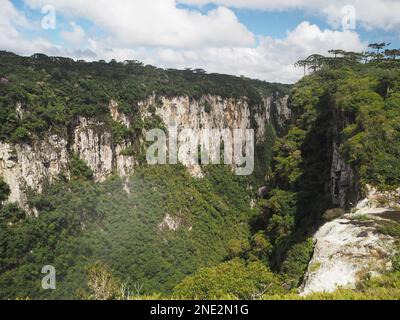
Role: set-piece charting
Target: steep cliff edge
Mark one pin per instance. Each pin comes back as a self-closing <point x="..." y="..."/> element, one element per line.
<point x="354" y="246"/>
<point x="345" y="136"/>
<point x="31" y="165"/>
<point x="54" y="108"/>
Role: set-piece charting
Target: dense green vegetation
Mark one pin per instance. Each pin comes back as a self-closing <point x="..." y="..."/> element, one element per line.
<point x="348" y="101"/>
<point x="53" y="91"/>
<point x="222" y="248"/>
<point x="234" y="279"/>
<point x="81" y="222"/>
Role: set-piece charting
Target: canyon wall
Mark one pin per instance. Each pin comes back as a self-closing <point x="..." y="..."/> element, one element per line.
<point x="33" y="165"/>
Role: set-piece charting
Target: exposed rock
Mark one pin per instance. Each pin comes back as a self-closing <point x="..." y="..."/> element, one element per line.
<point x="343" y="181"/>
<point x="31" y="165"/>
<point x="225" y="113"/>
<point x="263" y="192"/>
<point x="93" y="143"/>
<point x="351" y="247"/>
<point x="378" y="199"/>
<point x="332" y="214"/>
<point x="3" y="80"/>
<point x="170" y="223"/>
<point x="19" y="111"/>
<point x="277" y="111"/>
<point x="44" y="159"/>
<point x="344" y="252"/>
<point x="116" y="115"/>
<point x="185" y="113"/>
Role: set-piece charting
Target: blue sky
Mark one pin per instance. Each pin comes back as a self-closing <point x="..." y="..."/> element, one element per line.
<point x="256" y="38"/>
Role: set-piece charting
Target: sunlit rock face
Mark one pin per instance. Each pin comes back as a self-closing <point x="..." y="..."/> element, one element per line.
<point x="32" y="165"/>
<point x="217" y="113"/>
<point x="24" y="166"/>
<point x="94" y="144"/>
<point x="213" y="112"/>
<point x="351" y="247"/>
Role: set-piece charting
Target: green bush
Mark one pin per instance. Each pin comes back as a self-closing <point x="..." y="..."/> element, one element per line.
<point x="4" y="190"/>
<point x="296" y="262"/>
<point x="234" y="278"/>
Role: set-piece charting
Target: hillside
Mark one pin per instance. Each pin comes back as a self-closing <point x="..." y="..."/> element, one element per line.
<point x="79" y="195"/>
<point x="72" y="158"/>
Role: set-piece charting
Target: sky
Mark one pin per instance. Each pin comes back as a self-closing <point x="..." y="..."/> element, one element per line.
<point x="259" y="39"/>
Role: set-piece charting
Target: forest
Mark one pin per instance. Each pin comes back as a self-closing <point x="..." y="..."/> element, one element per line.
<point x="108" y="244"/>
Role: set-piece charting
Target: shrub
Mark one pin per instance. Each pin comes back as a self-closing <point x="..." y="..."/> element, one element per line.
<point x="234" y="278"/>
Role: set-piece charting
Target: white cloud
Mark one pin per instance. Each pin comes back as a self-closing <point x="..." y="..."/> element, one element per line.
<point x="272" y="59"/>
<point x="370" y="13"/>
<point x="76" y="36"/>
<point x="175" y="38"/>
<point x="12" y="40"/>
<point x="156" y="23"/>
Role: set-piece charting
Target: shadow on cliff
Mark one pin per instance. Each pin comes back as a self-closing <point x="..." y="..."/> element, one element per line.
<point x="313" y="185"/>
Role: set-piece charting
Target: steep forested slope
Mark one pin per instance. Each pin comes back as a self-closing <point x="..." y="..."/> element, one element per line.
<point x="159" y="230"/>
<point x="345" y="136"/>
<point x="73" y="155"/>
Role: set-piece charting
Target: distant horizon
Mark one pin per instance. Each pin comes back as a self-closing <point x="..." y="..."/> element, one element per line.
<point x="259" y="39"/>
<point x="76" y="60"/>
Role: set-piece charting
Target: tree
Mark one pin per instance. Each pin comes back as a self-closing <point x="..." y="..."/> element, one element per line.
<point x="353" y="57"/>
<point x="378" y="46"/>
<point x="102" y="283"/>
<point x="336" y="52"/>
<point x="367" y="56"/>
<point x="261" y="247"/>
<point x="303" y="64"/>
<point x="392" y="54"/>
<point x="231" y="279"/>
<point x="4" y="190"/>
<point x="315" y="61"/>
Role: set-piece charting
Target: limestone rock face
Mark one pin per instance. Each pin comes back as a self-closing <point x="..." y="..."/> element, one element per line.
<point x="44" y="159"/>
<point x="277" y="111"/>
<point x="343" y="184"/>
<point x="348" y="248"/>
<point x="118" y="116"/>
<point x="170" y="223"/>
<point x="213" y="112"/>
<point x="94" y="144"/>
<point x="31" y="165"/>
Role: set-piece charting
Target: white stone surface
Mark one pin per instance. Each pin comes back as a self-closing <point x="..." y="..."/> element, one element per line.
<point x="348" y="248"/>
<point x="30" y="165"/>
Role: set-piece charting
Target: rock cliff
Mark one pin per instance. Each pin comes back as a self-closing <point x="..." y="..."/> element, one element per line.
<point x="32" y="165"/>
<point x="354" y="246"/>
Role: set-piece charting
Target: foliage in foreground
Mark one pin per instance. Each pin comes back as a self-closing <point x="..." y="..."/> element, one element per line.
<point x="234" y="278"/>
<point x="386" y="287"/>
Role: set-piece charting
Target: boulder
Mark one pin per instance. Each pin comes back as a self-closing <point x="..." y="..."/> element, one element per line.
<point x="333" y="214"/>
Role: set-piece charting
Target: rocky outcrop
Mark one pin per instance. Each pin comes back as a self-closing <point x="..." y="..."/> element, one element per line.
<point x="343" y="182"/>
<point x="277" y="111"/>
<point x="118" y="116"/>
<point x="353" y="246"/>
<point x="44" y="159"/>
<point x="32" y="165"/>
<point x="93" y="143"/>
<point x="213" y="112"/>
